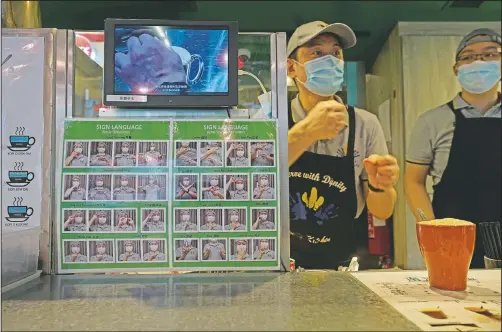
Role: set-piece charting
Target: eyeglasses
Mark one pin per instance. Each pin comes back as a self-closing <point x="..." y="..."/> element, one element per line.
<point x="491" y="56"/>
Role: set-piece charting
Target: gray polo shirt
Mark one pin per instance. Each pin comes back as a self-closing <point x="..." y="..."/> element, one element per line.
<point x="432" y="135"/>
<point x="369" y="140"/>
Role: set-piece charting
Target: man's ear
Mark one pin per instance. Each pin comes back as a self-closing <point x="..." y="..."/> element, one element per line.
<point x="455" y="70"/>
<point x="291" y="68"/>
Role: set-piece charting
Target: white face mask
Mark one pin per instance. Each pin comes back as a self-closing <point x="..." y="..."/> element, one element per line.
<point x="78" y="220"/>
<point x="75" y="183"/>
<point x="234" y="218"/>
<point x="210" y="219"/>
<point x="151" y="181"/>
<point x="125" y="150"/>
<point x="154" y="247"/>
<point x="185" y="217"/>
<point x="124" y="183"/>
<point x="186" y="183"/>
<point x="78" y="150"/>
<point x="101" y="250"/>
<point x="213" y="182"/>
<point x="263" y="216"/>
<point x="156" y="218"/>
<point x="264" y="182"/>
<point x="152" y="148"/>
<point x="128" y="248"/>
<point x="241" y="247"/>
<point x="101" y="150"/>
<point x="264" y="245"/>
<point x="102" y="220"/>
<point x="239" y="186"/>
<point x="99" y="183"/>
<point x="75" y="250"/>
<point x="239" y="153"/>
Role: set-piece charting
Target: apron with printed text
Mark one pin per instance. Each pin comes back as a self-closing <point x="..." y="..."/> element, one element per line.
<point x="470" y="187"/>
<point x="323" y="205"/>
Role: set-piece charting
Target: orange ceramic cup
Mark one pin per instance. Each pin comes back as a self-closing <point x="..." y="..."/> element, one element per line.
<point x="447" y="246"/>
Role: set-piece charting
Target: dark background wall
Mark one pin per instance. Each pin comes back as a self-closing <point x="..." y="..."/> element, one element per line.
<point x="371" y="20"/>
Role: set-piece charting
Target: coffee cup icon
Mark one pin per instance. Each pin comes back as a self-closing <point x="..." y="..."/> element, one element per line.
<point x="188" y="61"/>
<point x="21" y="176"/>
<point x="22" y="211"/>
<point x="21" y="141"/>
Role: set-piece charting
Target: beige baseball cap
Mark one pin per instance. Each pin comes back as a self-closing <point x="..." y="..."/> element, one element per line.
<point x="305" y="33"/>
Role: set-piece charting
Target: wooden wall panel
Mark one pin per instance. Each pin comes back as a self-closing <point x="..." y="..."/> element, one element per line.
<point x="384" y="83"/>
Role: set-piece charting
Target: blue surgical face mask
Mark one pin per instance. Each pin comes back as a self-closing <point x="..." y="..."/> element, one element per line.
<point x="324" y="75"/>
<point x="479" y="76"/>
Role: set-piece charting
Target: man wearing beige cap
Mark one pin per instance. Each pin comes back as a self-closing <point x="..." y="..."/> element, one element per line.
<point x="458" y="144"/>
<point x="341" y="149"/>
<point x="77" y="157"/>
<point x="75" y="192"/>
<point x="210" y="223"/>
<point x="129" y="255"/>
<point x="186" y="224"/>
<point x="262" y="223"/>
<point x="74" y="256"/>
<point x="240" y="159"/>
<point x="101" y="253"/>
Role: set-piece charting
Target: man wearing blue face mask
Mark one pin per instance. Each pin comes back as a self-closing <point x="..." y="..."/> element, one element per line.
<point x="458" y="144"/>
<point x="337" y="154"/>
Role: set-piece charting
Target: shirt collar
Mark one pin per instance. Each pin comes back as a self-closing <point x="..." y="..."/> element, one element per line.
<point x="460" y="104"/>
<point x="297" y="111"/>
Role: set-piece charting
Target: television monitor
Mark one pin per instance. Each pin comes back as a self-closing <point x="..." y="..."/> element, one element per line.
<point x="169" y="64"/>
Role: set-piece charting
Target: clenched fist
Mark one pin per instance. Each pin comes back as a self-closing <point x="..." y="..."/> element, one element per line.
<point x="383" y="171"/>
<point x="326" y="120"/>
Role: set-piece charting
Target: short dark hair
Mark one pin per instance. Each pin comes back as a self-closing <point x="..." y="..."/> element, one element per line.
<point x="294" y="54"/>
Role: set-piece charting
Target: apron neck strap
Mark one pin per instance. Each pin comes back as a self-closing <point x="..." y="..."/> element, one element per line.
<point x="352" y="126"/>
<point x="352" y="131"/>
<point x="458" y="113"/>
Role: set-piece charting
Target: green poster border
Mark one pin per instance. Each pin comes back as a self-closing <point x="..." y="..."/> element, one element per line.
<point x="165" y="135"/>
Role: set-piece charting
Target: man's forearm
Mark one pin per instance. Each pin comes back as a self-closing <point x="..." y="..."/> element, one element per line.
<point x="299" y="140"/>
<point x="381" y="204"/>
<point x="418" y="198"/>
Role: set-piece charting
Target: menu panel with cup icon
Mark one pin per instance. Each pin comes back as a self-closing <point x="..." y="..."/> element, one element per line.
<point x="113" y="198"/>
<point x="22" y="130"/>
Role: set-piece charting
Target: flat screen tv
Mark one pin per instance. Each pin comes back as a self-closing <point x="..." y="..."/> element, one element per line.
<point x="170" y="64"/>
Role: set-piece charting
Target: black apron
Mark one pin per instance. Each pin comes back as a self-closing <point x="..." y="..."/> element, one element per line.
<point x="470" y="187"/>
<point x="322" y="229"/>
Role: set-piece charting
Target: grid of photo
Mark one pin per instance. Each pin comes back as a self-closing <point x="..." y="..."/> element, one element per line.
<point x="224" y="197"/>
<point x="225" y="249"/>
<point x="114" y="251"/>
<point x="192" y="200"/>
<point x="114" y="204"/>
<point x="123" y="153"/>
<point x="227" y="154"/>
<point x="116" y="220"/>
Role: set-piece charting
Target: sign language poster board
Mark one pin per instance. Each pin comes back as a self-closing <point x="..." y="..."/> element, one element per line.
<point x="168" y="195"/>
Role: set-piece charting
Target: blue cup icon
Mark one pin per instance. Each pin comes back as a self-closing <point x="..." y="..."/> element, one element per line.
<point x="21" y="176"/>
<point x="21" y="141"/>
<point x="19" y="211"/>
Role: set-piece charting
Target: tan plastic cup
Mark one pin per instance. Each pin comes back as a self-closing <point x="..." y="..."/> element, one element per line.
<point x="447" y="246"/>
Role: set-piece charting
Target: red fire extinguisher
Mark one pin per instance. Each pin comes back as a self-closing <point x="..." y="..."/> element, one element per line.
<point x="378" y="236"/>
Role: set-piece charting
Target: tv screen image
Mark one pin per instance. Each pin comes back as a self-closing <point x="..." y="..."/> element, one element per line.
<point x="171" y="61"/>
